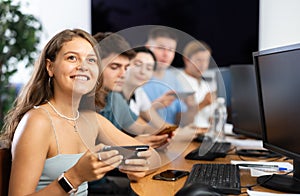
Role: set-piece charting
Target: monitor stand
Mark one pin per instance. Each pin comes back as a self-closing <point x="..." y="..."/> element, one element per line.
<point x="284" y="183"/>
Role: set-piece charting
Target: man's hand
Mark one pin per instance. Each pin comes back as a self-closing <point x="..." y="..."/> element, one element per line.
<point x="165" y="100"/>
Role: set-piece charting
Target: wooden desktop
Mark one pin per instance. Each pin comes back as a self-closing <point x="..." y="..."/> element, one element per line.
<point x="149" y="187"/>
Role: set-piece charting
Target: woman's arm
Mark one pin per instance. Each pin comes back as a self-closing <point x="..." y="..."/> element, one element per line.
<point x="29" y="150"/>
<point x="140" y="126"/>
<point x="143" y="106"/>
<point x="153" y="118"/>
<point x="207" y="100"/>
<point x="155" y="141"/>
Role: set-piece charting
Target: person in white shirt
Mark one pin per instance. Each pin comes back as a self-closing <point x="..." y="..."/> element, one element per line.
<point x="196" y="58"/>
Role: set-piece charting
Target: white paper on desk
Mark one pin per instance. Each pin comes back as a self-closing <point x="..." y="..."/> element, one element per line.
<point x="259" y="193"/>
<point x="256" y="173"/>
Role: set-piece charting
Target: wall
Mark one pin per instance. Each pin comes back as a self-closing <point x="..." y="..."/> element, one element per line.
<point x="55" y="16"/>
<point x="229" y="27"/>
<point x="279" y="23"/>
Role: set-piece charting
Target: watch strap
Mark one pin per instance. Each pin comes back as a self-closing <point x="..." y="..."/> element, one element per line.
<point x="65" y="184"/>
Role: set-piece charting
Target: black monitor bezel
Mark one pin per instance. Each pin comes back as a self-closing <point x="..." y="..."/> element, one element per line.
<point x="266" y="143"/>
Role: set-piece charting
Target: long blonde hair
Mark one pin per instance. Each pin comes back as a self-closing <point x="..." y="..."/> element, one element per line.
<point x="39" y="87"/>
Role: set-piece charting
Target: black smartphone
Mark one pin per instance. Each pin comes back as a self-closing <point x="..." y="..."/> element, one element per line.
<point x="170" y="175"/>
<point x="129" y="152"/>
<point x="183" y="95"/>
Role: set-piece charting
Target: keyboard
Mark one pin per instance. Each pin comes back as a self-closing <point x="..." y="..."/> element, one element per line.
<point x="219" y="149"/>
<point x="224" y="178"/>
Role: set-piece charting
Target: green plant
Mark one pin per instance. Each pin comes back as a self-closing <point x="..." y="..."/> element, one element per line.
<point x="20" y="35"/>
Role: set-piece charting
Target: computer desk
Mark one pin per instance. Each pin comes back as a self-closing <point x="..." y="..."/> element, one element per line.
<point x="149" y="187"/>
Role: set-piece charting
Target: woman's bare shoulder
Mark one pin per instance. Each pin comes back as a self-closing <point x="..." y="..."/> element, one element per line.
<point x="35" y="119"/>
<point x="34" y="128"/>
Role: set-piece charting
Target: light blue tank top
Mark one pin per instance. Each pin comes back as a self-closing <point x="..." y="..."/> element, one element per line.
<point x="56" y="165"/>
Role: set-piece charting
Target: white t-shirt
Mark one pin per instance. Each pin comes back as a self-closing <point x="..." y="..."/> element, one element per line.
<point x="190" y="83"/>
<point x="140" y="102"/>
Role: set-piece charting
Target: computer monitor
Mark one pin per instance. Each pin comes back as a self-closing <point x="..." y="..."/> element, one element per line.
<point x="245" y="112"/>
<point x="278" y="82"/>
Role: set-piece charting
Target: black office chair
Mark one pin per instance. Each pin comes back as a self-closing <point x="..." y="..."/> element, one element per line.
<point x="5" y="166"/>
<point x="114" y="183"/>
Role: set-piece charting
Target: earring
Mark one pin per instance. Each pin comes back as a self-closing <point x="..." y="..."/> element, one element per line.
<point x="49" y="82"/>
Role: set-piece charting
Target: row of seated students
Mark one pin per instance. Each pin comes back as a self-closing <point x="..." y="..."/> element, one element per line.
<point x="141" y="86"/>
<point x="135" y="102"/>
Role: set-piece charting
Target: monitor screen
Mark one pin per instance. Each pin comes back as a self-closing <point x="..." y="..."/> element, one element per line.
<point x="278" y="79"/>
<point x="245" y="112"/>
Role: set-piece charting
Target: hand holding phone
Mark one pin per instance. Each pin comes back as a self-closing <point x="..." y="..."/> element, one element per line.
<point x="183" y="95"/>
<point x="168" y="130"/>
<point x="170" y="175"/>
<point x="128" y="152"/>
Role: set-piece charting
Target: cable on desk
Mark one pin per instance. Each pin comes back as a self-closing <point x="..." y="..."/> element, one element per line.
<point x="278" y="158"/>
<point x="261" y="156"/>
<point x="231" y="149"/>
<point x="269" y="160"/>
<point x="266" y="180"/>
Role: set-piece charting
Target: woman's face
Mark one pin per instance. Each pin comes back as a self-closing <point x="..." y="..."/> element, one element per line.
<point x="198" y="63"/>
<point x="114" y="71"/>
<point x="141" y="69"/>
<point x="75" y="69"/>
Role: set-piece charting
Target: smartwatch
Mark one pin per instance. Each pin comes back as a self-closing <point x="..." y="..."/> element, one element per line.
<point x="65" y="184"/>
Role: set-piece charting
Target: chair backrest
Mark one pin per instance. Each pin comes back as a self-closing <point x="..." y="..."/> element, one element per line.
<point x="5" y="166"/>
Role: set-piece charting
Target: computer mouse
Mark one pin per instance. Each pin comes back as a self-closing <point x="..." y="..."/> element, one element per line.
<point x="197" y="189"/>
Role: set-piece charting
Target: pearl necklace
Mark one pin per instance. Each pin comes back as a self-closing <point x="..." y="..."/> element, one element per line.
<point x="63" y="116"/>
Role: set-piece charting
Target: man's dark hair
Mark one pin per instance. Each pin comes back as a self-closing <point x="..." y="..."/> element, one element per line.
<point x="148" y="51"/>
<point x="113" y="43"/>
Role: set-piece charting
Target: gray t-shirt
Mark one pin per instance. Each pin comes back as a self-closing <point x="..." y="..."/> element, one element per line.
<point x="117" y="111"/>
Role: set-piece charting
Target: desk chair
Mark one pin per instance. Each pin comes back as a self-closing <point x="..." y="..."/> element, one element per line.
<point x="5" y="166"/>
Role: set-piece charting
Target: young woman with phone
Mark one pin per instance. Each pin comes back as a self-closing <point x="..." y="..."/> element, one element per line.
<point x="141" y="70"/>
<point x="53" y="139"/>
